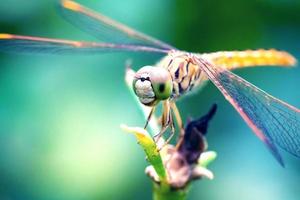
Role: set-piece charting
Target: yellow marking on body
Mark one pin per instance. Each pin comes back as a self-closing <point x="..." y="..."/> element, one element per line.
<point x="238" y="59"/>
<point x="71" y="5"/>
<point x="5" y="36"/>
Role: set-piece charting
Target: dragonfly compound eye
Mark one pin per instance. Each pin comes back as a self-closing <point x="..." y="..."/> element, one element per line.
<point x="143" y="88"/>
<point x="152" y="84"/>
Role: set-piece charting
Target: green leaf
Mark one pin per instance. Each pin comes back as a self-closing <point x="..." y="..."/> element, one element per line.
<point x="150" y="148"/>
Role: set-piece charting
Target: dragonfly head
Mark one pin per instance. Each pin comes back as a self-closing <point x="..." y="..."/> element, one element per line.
<point x="152" y="84"/>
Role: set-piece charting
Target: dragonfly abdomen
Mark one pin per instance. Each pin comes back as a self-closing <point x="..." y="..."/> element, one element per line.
<point x="186" y="74"/>
<point x="238" y="59"/>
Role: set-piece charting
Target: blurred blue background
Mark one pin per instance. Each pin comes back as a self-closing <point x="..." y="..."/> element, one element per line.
<point x="60" y="115"/>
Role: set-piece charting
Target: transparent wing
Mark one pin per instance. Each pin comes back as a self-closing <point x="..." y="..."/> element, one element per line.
<point x="272" y="120"/>
<point x="105" y="28"/>
<point x="27" y="44"/>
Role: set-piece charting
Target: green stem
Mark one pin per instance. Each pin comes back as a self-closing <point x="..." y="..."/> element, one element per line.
<point x="164" y="192"/>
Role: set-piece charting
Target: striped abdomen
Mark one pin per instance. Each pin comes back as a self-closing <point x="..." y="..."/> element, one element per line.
<point x="238" y="59"/>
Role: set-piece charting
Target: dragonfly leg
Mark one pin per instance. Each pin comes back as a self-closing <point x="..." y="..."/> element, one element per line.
<point x="177" y="116"/>
<point x="149" y="116"/>
<point x="179" y="122"/>
<point x="161" y="132"/>
<point x="172" y="126"/>
<point x="165" y="120"/>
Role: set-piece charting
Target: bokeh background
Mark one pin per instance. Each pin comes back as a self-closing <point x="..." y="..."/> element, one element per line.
<point x="60" y="115"/>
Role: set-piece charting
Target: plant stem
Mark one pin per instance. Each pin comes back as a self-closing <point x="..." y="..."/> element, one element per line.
<point x="164" y="192"/>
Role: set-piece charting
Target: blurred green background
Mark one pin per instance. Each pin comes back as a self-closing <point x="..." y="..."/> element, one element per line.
<point x="60" y="115"/>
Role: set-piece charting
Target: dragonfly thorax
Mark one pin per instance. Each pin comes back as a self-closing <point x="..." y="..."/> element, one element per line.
<point x="152" y="84"/>
<point x="184" y="70"/>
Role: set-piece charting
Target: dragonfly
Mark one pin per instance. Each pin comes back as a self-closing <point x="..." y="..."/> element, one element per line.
<point x="178" y="73"/>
